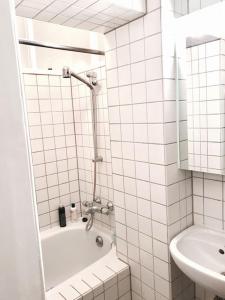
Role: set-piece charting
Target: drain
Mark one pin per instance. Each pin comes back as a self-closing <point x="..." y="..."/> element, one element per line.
<point x="222" y="273"/>
<point x="99" y="241"/>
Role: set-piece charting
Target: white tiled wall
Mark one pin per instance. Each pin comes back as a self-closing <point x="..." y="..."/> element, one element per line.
<point x="60" y="126"/>
<point x="153" y="198"/>
<point x="52" y="136"/>
<point x="84" y="141"/>
<point x="208" y="208"/>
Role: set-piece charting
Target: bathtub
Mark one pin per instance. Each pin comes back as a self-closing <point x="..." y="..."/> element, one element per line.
<point x="69" y="250"/>
<point x="76" y="268"/>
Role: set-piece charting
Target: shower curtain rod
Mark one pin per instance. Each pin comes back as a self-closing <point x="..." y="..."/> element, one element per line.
<point x="60" y="47"/>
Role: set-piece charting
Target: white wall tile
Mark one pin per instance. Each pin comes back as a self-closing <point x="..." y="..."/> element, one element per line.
<point x="138" y="72"/>
<point x="153" y="46"/>
<point x="112" y="78"/>
<point x="137" y="50"/>
<point x="142" y="171"/>
<point x="157" y="174"/>
<point x="139" y="93"/>
<point x="153" y="69"/>
<point x="111" y="59"/>
<point x="213" y="208"/>
<point x="124" y="75"/>
<point x="213" y="189"/>
<point x="154" y="90"/>
<point x="125" y="95"/>
<point x="155" y="112"/>
<point x="111" y="40"/>
<point x="159" y="213"/>
<point x="136" y="30"/>
<point x="152" y="23"/>
<point x="156" y="193"/>
<point x="153" y="4"/>
<point x="140" y="133"/>
<point x="139" y="113"/>
<point x="122" y="36"/>
<point x="123" y="55"/>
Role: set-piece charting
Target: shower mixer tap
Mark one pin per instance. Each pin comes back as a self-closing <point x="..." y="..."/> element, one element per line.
<point x="91" y="208"/>
<point x="95" y="206"/>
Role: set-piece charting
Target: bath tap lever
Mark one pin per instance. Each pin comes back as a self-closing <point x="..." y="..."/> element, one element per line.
<point x="92" y="210"/>
<point x="105" y="210"/>
<point x="97" y="200"/>
<point x="87" y="203"/>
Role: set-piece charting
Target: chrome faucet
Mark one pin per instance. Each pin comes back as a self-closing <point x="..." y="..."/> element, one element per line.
<point x="92" y="210"/>
<point x="96" y="207"/>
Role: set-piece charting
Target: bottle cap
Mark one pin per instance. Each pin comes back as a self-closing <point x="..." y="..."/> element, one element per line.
<point x="73" y="205"/>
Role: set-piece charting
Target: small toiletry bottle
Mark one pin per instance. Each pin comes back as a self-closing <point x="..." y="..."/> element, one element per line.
<point x="73" y="212"/>
<point x="62" y="216"/>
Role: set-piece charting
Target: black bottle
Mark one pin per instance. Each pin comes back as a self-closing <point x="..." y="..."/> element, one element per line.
<point x="62" y="216"/>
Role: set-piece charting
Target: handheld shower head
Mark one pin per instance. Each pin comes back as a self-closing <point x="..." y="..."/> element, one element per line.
<point x="66" y="73"/>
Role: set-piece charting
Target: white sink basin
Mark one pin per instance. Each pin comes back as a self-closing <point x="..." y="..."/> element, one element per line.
<point x="196" y="253"/>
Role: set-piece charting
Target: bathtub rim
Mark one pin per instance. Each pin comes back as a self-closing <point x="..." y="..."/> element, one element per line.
<point x="55" y="230"/>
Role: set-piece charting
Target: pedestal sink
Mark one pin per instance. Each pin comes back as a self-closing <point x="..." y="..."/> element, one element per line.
<point x="200" y="253"/>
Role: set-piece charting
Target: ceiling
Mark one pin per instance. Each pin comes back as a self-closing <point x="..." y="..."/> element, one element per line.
<point x="95" y="15"/>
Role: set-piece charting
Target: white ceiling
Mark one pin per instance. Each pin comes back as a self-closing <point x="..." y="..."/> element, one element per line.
<point x="95" y="15"/>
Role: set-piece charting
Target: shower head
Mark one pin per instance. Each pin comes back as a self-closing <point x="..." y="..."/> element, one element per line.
<point x="66" y="73"/>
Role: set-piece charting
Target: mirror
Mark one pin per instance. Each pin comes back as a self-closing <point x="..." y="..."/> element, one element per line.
<point x="200" y="92"/>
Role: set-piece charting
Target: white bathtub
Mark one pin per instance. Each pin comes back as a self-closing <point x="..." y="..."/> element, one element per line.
<point x="70" y="250"/>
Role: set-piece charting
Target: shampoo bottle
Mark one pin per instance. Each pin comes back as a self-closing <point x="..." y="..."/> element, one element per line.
<point x="62" y="216"/>
<point x="73" y="212"/>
